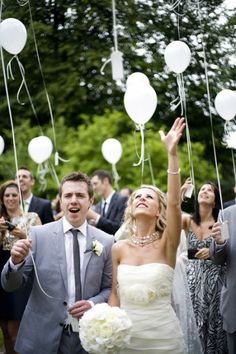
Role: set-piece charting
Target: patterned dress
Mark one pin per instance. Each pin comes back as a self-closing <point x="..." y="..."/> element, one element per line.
<point x="205" y="281"/>
<point x="12" y="305"/>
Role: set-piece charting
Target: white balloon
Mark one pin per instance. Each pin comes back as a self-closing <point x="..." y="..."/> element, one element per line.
<point x="140" y="103"/>
<point x="225" y="104"/>
<point x="177" y="56"/>
<point x="13" y="35"/>
<point x="137" y="79"/>
<point x="2" y="145"/>
<point x="40" y="149"/>
<point x="112" y="150"/>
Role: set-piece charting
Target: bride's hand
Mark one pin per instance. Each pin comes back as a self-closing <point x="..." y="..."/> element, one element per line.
<point x="171" y="139"/>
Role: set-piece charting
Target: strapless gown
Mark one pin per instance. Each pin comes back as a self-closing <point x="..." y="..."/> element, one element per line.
<point x="145" y="295"/>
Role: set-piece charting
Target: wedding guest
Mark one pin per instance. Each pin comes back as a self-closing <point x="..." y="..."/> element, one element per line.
<point x="144" y="262"/>
<point x="204" y="277"/>
<point x="73" y="263"/>
<point x="126" y="191"/>
<point x="106" y="215"/>
<point x="30" y="202"/>
<point x="223" y="251"/>
<point x="14" y="225"/>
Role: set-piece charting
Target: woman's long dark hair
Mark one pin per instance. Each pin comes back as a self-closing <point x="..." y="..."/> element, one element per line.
<point x="3" y="187"/>
<point x="215" y="211"/>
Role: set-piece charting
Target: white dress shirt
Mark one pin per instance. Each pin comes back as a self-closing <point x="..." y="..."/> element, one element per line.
<point x="26" y="203"/>
<point x="69" y="254"/>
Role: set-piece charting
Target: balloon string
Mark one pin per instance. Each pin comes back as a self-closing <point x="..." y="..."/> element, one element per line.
<point x="151" y="170"/>
<point x="209" y="107"/>
<point x="104" y="65"/>
<point x="54" y="174"/>
<point x="41" y="172"/>
<point x="115" y="176"/>
<point x="114" y="24"/>
<point x="44" y="85"/>
<point x="189" y="145"/>
<point x="233" y="161"/>
<point x="12" y="132"/>
<point x="37" y="277"/>
<point x="182" y="102"/>
<point x="141" y="160"/>
<point x="1" y="10"/>
<point x="23" y="82"/>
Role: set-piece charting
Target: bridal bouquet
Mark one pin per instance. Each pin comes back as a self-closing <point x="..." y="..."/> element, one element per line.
<point x="104" y="329"/>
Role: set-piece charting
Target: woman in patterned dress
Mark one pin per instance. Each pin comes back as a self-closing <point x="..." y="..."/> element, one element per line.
<point x="205" y="278"/>
<point x="12" y="305"/>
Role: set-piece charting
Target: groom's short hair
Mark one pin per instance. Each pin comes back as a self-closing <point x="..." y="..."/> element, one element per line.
<point x="77" y="177"/>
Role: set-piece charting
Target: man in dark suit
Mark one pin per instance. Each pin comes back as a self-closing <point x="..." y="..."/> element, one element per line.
<point x="30" y="202"/>
<point x="108" y="214"/>
<point x="68" y="283"/>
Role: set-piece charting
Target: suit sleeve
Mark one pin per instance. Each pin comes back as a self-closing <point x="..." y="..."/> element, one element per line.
<point x="218" y="253"/>
<point x="13" y="280"/>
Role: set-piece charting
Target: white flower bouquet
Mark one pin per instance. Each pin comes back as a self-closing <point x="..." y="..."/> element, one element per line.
<point x="104" y="329"/>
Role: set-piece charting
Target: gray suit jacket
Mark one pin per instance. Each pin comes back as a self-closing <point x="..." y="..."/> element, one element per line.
<point x="226" y="253"/>
<point x="42" y="323"/>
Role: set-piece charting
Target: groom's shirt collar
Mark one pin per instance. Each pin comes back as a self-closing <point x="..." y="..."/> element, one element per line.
<point x="67" y="226"/>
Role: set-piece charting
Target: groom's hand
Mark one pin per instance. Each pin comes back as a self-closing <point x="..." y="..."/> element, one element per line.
<point x="20" y="250"/>
<point x="79" y="308"/>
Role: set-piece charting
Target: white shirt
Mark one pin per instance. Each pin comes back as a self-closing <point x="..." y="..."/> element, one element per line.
<point x="26" y="203"/>
<point x="69" y="254"/>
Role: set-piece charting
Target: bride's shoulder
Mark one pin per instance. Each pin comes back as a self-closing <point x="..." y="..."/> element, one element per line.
<point x="120" y="244"/>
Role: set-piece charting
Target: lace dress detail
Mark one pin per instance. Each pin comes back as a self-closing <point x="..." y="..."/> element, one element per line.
<point x="12" y="305"/>
<point x="145" y="294"/>
<point x="205" y="281"/>
<point x="24" y="221"/>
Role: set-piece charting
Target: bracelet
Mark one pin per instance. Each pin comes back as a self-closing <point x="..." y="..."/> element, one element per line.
<point x="173" y="173"/>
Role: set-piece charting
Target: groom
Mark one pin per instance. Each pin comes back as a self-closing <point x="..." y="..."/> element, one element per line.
<point x="50" y="321"/>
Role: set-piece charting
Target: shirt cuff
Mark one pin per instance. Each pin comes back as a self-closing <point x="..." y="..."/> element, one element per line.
<point x="15" y="267"/>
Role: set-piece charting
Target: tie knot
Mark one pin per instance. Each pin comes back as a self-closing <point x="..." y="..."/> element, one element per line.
<point x="74" y="232"/>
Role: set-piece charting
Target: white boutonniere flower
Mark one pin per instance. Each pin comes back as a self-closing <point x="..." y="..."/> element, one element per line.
<point x="97" y="247"/>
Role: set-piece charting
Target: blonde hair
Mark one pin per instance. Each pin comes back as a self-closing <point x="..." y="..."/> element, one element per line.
<point x="129" y="221"/>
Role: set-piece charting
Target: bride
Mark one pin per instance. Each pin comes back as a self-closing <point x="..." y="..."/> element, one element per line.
<point x="143" y="264"/>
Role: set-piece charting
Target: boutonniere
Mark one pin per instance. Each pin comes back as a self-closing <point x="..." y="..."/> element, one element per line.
<point x="96" y="248"/>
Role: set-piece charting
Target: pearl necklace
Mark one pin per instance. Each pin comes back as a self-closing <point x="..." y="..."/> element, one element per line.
<point x="145" y="240"/>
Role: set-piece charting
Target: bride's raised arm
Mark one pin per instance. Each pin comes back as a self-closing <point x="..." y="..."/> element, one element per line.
<point x="173" y="211"/>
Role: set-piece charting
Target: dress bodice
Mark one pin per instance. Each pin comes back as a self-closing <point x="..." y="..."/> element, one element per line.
<point x="145" y="295"/>
<point x="195" y="243"/>
<point x="145" y="284"/>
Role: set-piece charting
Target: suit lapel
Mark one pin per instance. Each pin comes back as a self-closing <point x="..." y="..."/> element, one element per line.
<point x="88" y="253"/>
<point x="59" y="242"/>
<point x="32" y="204"/>
<point x="111" y="205"/>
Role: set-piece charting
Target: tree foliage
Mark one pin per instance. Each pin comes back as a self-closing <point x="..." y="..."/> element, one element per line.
<point x="74" y="38"/>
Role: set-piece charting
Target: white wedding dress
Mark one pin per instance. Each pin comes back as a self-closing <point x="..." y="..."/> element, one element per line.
<point x="145" y="295"/>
